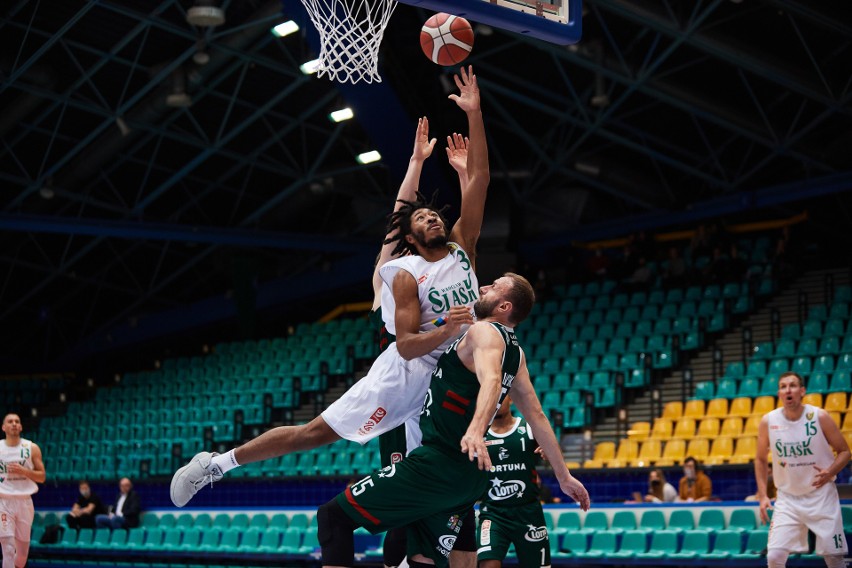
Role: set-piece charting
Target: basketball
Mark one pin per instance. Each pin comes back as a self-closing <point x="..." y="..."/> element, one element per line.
<point x="446" y="39"/>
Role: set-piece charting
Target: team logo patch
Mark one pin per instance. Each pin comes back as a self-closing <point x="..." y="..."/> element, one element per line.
<point x="535" y="534"/>
<point x="782" y="464"/>
<point x="502" y="490"/>
<point x="388" y="471"/>
<point x="446" y="541"/>
<point x="809" y="415"/>
<point x="374" y="419"/>
<point x="503" y="454"/>
<point x="396" y="457"/>
<point x="423" y="278"/>
<point x="454" y="524"/>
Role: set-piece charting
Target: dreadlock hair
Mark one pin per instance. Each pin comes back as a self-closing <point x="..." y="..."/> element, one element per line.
<point x="400" y="221"/>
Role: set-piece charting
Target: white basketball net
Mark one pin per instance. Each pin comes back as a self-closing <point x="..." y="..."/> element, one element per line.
<point x="350" y="33"/>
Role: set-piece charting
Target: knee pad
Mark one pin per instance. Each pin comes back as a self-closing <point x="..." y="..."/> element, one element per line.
<point x="334" y="533"/>
<point x="776" y="558"/>
<point x="834" y="561"/>
<point x="394" y="546"/>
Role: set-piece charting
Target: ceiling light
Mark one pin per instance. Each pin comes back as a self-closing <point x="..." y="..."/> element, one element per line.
<point x="341" y="115"/>
<point x="369" y="157"/>
<point x="205" y="13"/>
<point x="310" y="67"/>
<point x="285" y="28"/>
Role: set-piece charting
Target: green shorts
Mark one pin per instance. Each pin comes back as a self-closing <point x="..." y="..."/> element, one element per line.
<point x="393" y="446"/>
<point x="522" y="526"/>
<point x="430" y="490"/>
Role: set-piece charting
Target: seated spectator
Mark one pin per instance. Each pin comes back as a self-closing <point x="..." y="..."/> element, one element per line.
<point x="85" y="508"/>
<point x="695" y="486"/>
<point x="125" y="513"/>
<point x="659" y="490"/>
<point x="641" y="279"/>
<point x="675" y="274"/>
<point x="771" y="490"/>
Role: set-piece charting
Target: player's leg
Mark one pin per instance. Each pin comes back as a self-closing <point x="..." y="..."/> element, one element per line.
<point x="463" y="554"/>
<point x="825" y="520"/>
<point x="335" y="535"/>
<point x="493" y="542"/>
<point x="529" y="534"/>
<point x="787" y="532"/>
<point x="23" y="528"/>
<point x="8" y="545"/>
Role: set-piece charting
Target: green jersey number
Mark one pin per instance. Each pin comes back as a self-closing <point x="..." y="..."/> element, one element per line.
<point x="810" y="429"/>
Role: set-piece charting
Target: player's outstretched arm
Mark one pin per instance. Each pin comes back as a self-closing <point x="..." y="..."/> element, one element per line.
<point x="761" y="469"/>
<point x="524" y="397"/>
<point x="423" y="147"/>
<point x="457" y="157"/>
<point x="467" y="228"/>
<point x="483" y="347"/>
<point x="838" y="443"/>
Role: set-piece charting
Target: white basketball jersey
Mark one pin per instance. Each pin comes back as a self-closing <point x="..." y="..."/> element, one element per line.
<point x="796" y="448"/>
<point x="21" y="454"/>
<point x="440" y="285"/>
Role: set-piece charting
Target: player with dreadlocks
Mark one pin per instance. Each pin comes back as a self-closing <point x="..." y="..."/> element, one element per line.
<point x="426" y="299"/>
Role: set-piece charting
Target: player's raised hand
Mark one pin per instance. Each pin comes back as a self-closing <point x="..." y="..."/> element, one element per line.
<point x="422" y="145"/>
<point x="475" y="448"/>
<point x="575" y="490"/>
<point x="468" y="97"/>
<point x="457" y="152"/>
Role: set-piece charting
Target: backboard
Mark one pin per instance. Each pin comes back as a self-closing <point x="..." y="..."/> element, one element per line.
<point x="558" y="21"/>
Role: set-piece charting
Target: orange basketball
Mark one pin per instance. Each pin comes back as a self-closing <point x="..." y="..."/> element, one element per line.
<point x="446" y="39"/>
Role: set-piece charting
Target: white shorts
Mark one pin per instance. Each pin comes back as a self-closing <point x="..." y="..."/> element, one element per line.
<point x="16" y="517"/>
<point x="818" y="511"/>
<point x="392" y="392"/>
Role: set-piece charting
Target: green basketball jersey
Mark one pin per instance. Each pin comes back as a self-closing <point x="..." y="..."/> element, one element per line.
<point x="451" y="398"/>
<point x="513" y="479"/>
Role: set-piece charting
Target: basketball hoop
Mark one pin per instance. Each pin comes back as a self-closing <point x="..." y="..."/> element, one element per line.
<point x="350" y="35"/>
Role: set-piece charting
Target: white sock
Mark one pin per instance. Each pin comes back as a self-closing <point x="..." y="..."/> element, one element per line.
<point x="226" y="462"/>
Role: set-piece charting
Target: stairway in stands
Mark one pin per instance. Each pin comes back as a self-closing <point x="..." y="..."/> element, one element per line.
<point x="812" y="283"/>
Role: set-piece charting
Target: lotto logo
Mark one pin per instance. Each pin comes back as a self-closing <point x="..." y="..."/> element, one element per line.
<point x="535" y="534"/>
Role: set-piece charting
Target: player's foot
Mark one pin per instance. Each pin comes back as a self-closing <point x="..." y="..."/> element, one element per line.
<point x="189" y="479"/>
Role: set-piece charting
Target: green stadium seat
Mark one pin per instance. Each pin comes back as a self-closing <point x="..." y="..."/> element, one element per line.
<point x="84" y="538"/>
<point x="250" y="540"/>
<point x="135" y="539"/>
<point x="595" y="521"/>
<point x="310" y="544"/>
<point x="727" y="388"/>
<point x="603" y="545"/>
<point x="230" y="540"/>
<point x="574" y="543"/>
<point x="210" y="539"/>
<point x="727" y="544"/>
<point x="69" y="538"/>
<point x="154" y="538"/>
<point x="270" y="542"/>
<point x="841" y="382"/>
<point x="568" y="522"/>
<point x="749" y="388"/>
<point x="763" y="350"/>
<point x="695" y="544"/>
<point x="191" y="539"/>
<point x="623" y="521"/>
<point x="300" y="521"/>
<point x="681" y="520"/>
<point x="240" y="521"/>
<point x="203" y="521"/>
<point x="846" y="513"/>
<point x="705" y="390"/>
<point x="663" y="543"/>
<point x="807" y="347"/>
<point x="166" y="521"/>
<point x="221" y="521"/>
<point x="755" y="547"/>
<point x="834" y="327"/>
<point x="818" y="383"/>
<point x="184" y="521"/>
<point x="802" y="365"/>
<point x="812" y="329"/>
<point x="711" y="520"/>
<point x="102" y="538"/>
<point x="742" y="520"/>
<point x="632" y="543"/>
<point x="829" y="346"/>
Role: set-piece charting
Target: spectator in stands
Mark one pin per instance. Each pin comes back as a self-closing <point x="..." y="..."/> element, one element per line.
<point x="125" y="513"/>
<point x="641" y="278"/>
<point x="675" y="273"/>
<point x="695" y="486"/>
<point x="659" y="490"/>
<point x="87" y="506"/>
<point x="771" y="490"/>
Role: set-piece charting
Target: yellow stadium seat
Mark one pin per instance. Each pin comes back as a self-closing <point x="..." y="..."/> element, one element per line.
<point x="732" y="427"/>
<point x="604" y="452"/>
<point x="751" y="424"/>
<point x="708" y="428"/>
<point x="717" y="408"/>
<point x="721" y="451"/>
<point x="847" y="423"/>
<point x="848" y="436"/>
<point x="649" y="453"/>
<point x="762" y="405"/>
<point x="685" y="428"/>
<point x="572" y="465"/>
<point x="673" y="410"/>
<point x="835" y="401"/>
<point x="740" y="407"/>
<point x="628" y="450"/>
<point x="745" y="450"/>
<point x="673" y="453"/>
<point x="813" y="398"/>
<point x="699" y="448"/>
<point x="639" y="431"/>
<point x="662" y="429"/>
<point x="836" y="417"/>
<point x="694" y="409"/>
